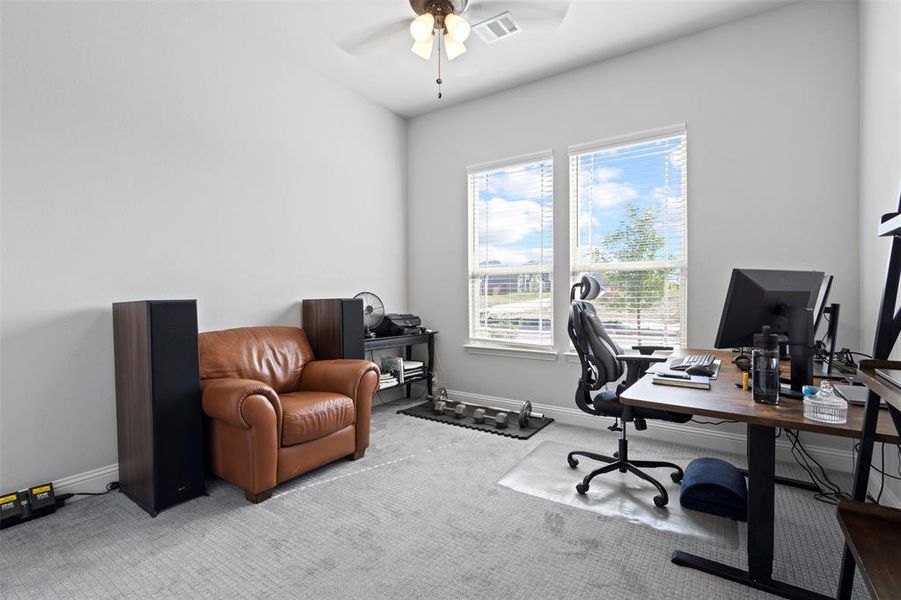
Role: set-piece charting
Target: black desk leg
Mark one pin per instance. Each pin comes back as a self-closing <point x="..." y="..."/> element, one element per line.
<point x="761" y="518"/>
<point x="408" y="355"/>
<point x="430" y="379"/>
<point x="761" y="501"/>
<point x="859" y="486"/>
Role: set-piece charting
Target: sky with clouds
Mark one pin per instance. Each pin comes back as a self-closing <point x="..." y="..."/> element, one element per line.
<point x="515" y="207"/>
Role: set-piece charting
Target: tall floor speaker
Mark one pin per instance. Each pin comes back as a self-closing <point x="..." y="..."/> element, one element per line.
<point x="158" y="411"/>
<point x="334" y="327"/>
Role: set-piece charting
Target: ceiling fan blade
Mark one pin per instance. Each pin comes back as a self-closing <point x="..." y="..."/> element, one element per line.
<point x="528" y="13"/>
<point x="374" y="39"/>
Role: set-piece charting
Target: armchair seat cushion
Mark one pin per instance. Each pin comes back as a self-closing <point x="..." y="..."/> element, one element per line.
<point x="308" y="416"/>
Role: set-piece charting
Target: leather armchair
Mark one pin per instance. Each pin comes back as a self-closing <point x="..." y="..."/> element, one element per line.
<point x="274" y="412"/>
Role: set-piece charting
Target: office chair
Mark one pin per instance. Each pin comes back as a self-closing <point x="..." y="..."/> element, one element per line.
<point x="603" y="361"/>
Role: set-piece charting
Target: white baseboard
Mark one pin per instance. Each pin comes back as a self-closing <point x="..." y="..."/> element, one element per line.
<point x="94" y="480"/>
<point x="705" y="437"/>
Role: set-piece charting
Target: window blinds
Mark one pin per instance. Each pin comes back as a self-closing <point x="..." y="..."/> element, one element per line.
<point x="628" y="211"/>
<point x="511" y="226"/>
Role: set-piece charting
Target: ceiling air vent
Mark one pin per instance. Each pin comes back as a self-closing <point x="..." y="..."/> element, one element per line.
<point x="496" y="28"/>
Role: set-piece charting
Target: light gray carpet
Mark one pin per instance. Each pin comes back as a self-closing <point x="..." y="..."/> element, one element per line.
<point x="420" y="517"/>
<point x="542" y="474"/>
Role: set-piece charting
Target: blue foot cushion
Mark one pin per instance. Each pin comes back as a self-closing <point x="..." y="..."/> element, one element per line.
<point x="716" y="487"/>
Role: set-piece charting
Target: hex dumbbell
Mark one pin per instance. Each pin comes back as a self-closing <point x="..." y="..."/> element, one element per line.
<point x="500" y="420"/>
<point x="523" y="416"/>
<point x="441" y="407"/>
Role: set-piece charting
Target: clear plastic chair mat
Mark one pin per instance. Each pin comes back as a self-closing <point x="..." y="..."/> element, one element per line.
<point x="544" y="473"/>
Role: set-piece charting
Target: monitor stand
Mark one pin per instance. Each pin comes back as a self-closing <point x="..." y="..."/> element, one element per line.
<point x="800" y="336"/>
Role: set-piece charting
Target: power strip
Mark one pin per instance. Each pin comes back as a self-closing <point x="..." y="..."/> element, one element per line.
<point x="26" y="505"/>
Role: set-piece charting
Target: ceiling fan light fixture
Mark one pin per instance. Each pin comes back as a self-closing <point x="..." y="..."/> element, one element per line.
<point x="423" y="49"/>
<point x="453" y="47"/>
<point x="458" y="27"/>
<point x="422" y="26"/>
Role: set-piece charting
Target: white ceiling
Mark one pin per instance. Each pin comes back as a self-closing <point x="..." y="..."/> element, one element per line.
<point x="392" y="76"/>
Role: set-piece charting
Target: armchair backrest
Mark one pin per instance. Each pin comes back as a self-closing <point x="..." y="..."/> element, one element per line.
<point x="272" y="355"/>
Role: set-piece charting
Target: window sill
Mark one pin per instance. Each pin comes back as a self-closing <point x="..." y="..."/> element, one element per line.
<point x="511" y="352"/>
<point x="571" y="356"/>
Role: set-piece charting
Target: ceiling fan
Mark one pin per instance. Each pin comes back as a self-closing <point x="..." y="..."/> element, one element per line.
<point x="450" y="22"/>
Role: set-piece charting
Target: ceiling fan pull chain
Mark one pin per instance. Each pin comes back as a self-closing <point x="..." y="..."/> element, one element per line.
<point x="439" y="81"/>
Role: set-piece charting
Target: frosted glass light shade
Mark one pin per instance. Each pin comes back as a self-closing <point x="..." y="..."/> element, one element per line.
<point x="453" y="47"/>
<point x="422" y="26"/>
<point x="457" y="27"/>
<point x="423" y="49"/>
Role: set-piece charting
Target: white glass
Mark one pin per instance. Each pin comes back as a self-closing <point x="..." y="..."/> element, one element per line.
<point x="422" y="26"/>
<point x="453" y="49"/>
<point x="423" y="49"/>
<point x="457" y="27"/>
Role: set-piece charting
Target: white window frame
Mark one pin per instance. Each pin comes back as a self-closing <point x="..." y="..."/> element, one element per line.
<point x="649" y="135"/>
<point x="475" y="343"/>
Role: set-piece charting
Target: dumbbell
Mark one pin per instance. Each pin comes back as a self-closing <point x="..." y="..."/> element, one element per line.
<point x="441" y="406"/>
<point x="500" y="420"/>
<point x="524" y="416"/>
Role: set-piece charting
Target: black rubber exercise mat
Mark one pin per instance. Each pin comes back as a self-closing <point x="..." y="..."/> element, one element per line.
<point x="512" y="430"/>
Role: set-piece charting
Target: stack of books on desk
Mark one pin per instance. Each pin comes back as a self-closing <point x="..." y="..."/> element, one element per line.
<point x="387" y="380"/>
<point x="413" y="368"/>
<point x="679" y="379"/>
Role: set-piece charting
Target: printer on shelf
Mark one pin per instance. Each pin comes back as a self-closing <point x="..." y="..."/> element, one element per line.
<point x="398" y="324"/>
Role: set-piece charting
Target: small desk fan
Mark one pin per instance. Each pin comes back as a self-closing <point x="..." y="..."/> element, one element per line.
<point x="373" y="311"/>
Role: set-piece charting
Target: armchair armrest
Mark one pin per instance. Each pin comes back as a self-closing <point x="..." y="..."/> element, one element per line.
<point x="647" y="350"/>
<point x="357" y="379"/>
<point x="339" y="376"/>
<point x="228" y="400"/>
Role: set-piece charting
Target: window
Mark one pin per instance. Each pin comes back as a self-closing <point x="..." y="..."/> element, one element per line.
<point x="628" y="211"/>
<point x="511" y="238"/>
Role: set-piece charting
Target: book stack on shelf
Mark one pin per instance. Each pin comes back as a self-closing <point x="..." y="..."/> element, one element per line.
<point x="413" y="369"/>
<point x="392" y="372"/>
<point x="387" y="380"/>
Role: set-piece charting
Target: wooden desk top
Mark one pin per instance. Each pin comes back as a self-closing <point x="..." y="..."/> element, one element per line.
<point x="874" y="535"/>
<point x="888" y="391"/>
<point x="726" y="401"/>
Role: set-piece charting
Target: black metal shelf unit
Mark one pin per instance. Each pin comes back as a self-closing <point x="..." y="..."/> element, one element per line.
<point x="407" y="342"/>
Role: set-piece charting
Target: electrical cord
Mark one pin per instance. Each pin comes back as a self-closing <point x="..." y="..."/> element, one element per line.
<point x="829" y="491"/>
<point x="880" y="469"/>
<point x="112" y="485"/>
<point x="712" y="422"/>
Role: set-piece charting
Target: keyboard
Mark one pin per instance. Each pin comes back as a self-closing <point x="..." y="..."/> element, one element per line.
<point x="692" y="360"/>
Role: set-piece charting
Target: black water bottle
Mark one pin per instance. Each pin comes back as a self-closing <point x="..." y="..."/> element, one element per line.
<point x="765" y="367"/>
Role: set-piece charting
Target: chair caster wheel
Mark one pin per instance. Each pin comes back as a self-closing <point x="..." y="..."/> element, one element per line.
<point x="676" y="476"/>
<point x="660" y="501"/>
<point x="581" y="488"/>
<point x="616" y="455"/>
<point x="573" y="463"/>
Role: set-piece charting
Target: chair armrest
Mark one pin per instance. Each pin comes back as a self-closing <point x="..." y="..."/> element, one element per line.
<point x="229" y="400"/>
<point x="647" y="358"/>
<point x="646" y="350"/>
<point x="637" y="364"/>
<point x="339" y="376"/>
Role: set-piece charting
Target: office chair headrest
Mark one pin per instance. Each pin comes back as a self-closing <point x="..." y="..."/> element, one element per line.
<point x="591" y="287"/>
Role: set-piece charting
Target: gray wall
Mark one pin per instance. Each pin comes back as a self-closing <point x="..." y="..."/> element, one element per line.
<point x="150" y="151"/>
<point x="771" y="105"/>
<point x="880" y="160"/>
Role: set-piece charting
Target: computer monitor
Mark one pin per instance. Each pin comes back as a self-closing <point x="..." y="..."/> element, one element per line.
<point x="783" y="300"/>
